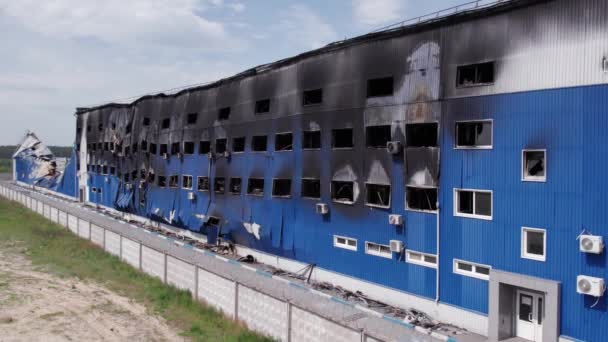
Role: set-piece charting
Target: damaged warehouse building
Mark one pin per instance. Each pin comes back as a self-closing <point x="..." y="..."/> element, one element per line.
<point x="453" y="165"/>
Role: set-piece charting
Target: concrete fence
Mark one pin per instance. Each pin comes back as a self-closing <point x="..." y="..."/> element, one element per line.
<point x="261" y="312"/>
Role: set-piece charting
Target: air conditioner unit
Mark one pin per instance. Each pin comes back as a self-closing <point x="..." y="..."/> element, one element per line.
<point x="191" y="196"/>
<point x="396" y="246"/>
<point x="395" y="220"/>
<point x="591" y="244"/>
<point x="322" y="209"/>
<point x="393" y="147"/>
<point x="590" y="286"/>
<point x="129" y="186"/>
<point x="166" y="156"/>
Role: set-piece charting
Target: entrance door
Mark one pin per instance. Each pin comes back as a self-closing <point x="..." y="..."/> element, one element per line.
<point x="529" y="320"/>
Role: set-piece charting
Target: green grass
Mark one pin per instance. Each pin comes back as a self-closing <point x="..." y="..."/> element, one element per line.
<point x="56" y="250"/>
<point x="6" y="166"/>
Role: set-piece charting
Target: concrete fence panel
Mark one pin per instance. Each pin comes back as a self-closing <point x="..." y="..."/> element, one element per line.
<point x="97" y="235"/>
<point x="180" y="274"/>
<point x="130" y="252"/>
<point x="84" y="229"/>
<point x="112" y="243"/>
<point x="308" y="327"/>
<point x="262" y="313"/>
<point x="47" y="212"/>
<point x="73" y="224"/>
<point x="40" y="208"/>
<point x="54" y="217"/>
<point x="63" y="219"/>
<point x="153" y="262"/>
<point x="217" y="291"/>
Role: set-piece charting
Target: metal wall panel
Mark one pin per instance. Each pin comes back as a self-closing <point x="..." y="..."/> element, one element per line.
<point x="262" y="313"/>
<point x="217" y="291"/>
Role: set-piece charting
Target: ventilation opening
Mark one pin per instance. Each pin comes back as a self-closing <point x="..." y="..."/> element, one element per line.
<point x="380" y="87"/>
<point x="146" y="121"/>
<point x="223" y="113"/>
<point x="204" y="147"/>
<point x="262" y="106"/>
<point x="342" y="192"/>
<point x="187" y="182"/>
<point x="311" y="188"/>
<point x="235" y="186"/>
<point x="258" y="143"/>
<point x="203" y="184"/>
<point x="421" y="135"/>
<point x="255" y="186"/>
<point x="421" y="198"/>
<point x="377" y="136"/>
<point x="342" y="138"/>
<point x="175" y="148"/>
<point x="283" y="142"/>
<point x="378" y="195"/>
<point x="219" y="185"/>
<point x="311" y="140"/>
<point x="220" y="145"/>
<point x="166" y="123"/>
<point x="238" y="144"/>
<point x="188" y="147"/>
<point x="281" y="188"/>
<point x="192" y="118"/>
<point x="173" y="181"/>
<point x="475" y="74"/>
<point x="152" y="149"/>
<point x="312" y="97"/>
<point x="163" y="149"/>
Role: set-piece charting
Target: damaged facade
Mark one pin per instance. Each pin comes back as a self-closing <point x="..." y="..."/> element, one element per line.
<point x="475" y="140"/>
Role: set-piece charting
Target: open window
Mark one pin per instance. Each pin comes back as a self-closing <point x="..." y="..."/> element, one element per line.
<point x="204" y="147"/>
<point x="378" y="87"/>
<point x="259" y="143"/>
<point x="473" y="203"/>
<point x="219" y="185"/>
<point x="174" y="181"/>
<point x="187" y="182"/>
<point x="127" y="177"/>
<point x="283" y="142"/>
<point x="311" y="188"/>
<point x="129" y="128"/>
<point x="474" y="134"/>
<point x="238" y="145"/>
<point x="255" y="186"/>
<point x="152" y="148"/>
<point x="106" y="146"/>
<point x="112" y="170"/>
<point x="377" y="136"/>
<point x="421" y="134"/>
<point x="220" y="145"/>
<point x="311" y="140"/>
<point x="188" y="147"/>
<point x="146" y="121"/>
<point x="163" y="149"/>
<point x="235" y="185"/>
<point x="533" y="243"/>
<point x="378" y="195"/>
<point x="342" y="138"/>
<point x="281" y="188"/>
<point x="151" y="177"/>
<point x="166" y="123"/>
<point x="203" y="184"/>
<point x="475" y="74"/>
<point x="223" y="113"/>
<point x="312" y="97"/>
<point x="104" y="170"/>
<point x="134" y="148"/>
<point x="533" y="165"/>
<point x="175" y="148"/>
<point x="100" y="127"/>
<point x="161" y="181"/>
<point x="424" y="199"/>
<point x="192" y="118"/>
<point x="134" y="175"/>
<point x="262" y="106"/>
<point x="343" y="192"/>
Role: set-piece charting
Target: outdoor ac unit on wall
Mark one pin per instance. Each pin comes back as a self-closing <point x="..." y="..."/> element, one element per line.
<point x="590" y="286"/>
<point x="393" y="147"/>
<point x="322" y="209"/>
<point x="395" y="220"/>
<point x="191" y="196"/>
<point x="591" y="244"/>
<point x="165" y="156"/>
<point x="396" y="246"/>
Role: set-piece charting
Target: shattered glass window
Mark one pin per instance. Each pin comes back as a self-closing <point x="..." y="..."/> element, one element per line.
<point x="203" y="184"/>
<point x="534" y="165"/>
<point x="204" y="147"/>
<point x="475" y="74"/>
<point x="192" y="118"/>
<point x="173" y="181"/>
<point x="187" y="182"/>
<point x="342" y="192"/>
<point x="474" y="134"/>
<point x="238" y="144"/>
<point x="188" y="147"/>
<point x="235" y="186"/>
<point x="283" y="142"/>
<point x="377" y="136"/>
<point x="162" y="181"/>
<point x="255" y="186"/>
<point x="342" y="138"/>
<point x="421" y="198"/>
<point x="259" y="143"/>
<point x="281" y="187"/>
<point x="378" y="195"/>
<point x="223" y="113"/>
<point x="380" y="87"/>
<point x="421" y="134"/>
<point x="312" y="97"/>
<point x="311" y="188"/>
<point x="262" y="106"/>
<point x="166" y="123"/>
<point x="220" y="145"/>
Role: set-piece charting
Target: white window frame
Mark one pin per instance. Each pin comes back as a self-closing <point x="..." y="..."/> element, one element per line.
<point x="524" y="177"/>
<point x="345" y="245"/>
<point x="473" y="273"/>
<point x="475" y="216"/>
<point x="378" y="253"/>
<point x="408" y="259"/>
<point x="191" y="182"/>
<point x="480" y="147"/>
<point x="390" y="196"/>
<point x="524" y="244"/>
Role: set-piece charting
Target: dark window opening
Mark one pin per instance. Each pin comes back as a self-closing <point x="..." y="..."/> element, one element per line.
<point x="474" y="134"/>
<point x="534" y="165"/>
<point x="238" y="144"/>
<point x="112" y="170"/>
<point x="79" y="129"/>
<point x="129" y="128"/>
<point x="342" y="191"/>
<point x="126" y="177"/>
<point x="151" y="177"/>
<point x="99" y="146"/>
<point x="421" y="134"/>
<point x="283" y="142"/>
<point x="173" y="181"/>
<point x="152" y="149"/>
<point x="281" y="188"/>
<point x="311" y="188"/>
<point x="475" y="74"/>
<point x="255" y="186"/>
<point x="192" y="118"/>
<point x="421" y="198"/>
<point x="166" y="123"/>
<point x="342" y="138"/>
<point x="187" y="182"/>
<point x="311" y="140"/>
<point x="162" y="181"/>
<point x="142" y="175"/>
<point x="113" y="125"/>
<point x="262" y="106"/>
<point x="378" y="195"/>
<point x="219" y="185"/>
<point x="164" y="149"/>
<point x="106" y="146"/>
<point x="134" y="148"/>
<point x="146" y="121"/>
<point x="235" y="186"/>
<point x="312" y="97"/>
<point x="223" y="113"/>
<point x="100" y="127"/>
<point x="88" y="128"/>
<point x="175" y="148"/>
<point x="204" y="147"/>
<point x="127" y="150"/>
<point x="104" y="170"/>
<point x="213" y="221"/>
<point x="377" y="136"/>
<point x="203" y="184"/>
<point x="118" y="148"/>
<point x="259" y="143"/>
<point x="144" y="146"/>
<point x="380" y="87"/>
<point x="134" y="174"/>
<point x="188" y="147"/>
<point x="220" y="145"/>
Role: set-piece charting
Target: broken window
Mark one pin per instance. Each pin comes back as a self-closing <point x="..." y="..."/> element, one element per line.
<point x="129" y="128"/>
<point x="146" y="121"/>
<point x="106" y="146"/>
<point x="99" y="146"/>
<point x="113" y="125"/>
<point x="162" y="181"/>
<point x="255" y="186"/>
<point x="204" y="147"/>
<point x="258" y="143"/>
<point x="219" y="185"/>
<point x="173" y="181"/>
<point x="281" y="187"/>
<point x="223" y="113"/>
<point x="166" y="123"/>
<point x="100" y="127"/>
<point x="134" y="148"/>
<point x="88" y="128"/>
<point x="312" y="97"/>
<point x="220" y="145"/>
<point x="311" y="188"/>
<point x="152" y="148"/>
<point x="203" y="183"/>
<point x="377" y="136"/>
<point x="474" y="134"/>
<point x="188" y="147"/>
<point x="378" y="195"/>
<point x="342" y="192"/>
<point x="134" y="174"/>
<point x="144" y="146"/>
<point x="187" y="182"/>
<point x="151" y="177"/>
<point x="104" y="170"/>
<point x="380" y="87"/>
<point x="126" y="177"/>
<point x="175" y="148"/>
<point x="192" y="118"/>
<point x="262" y="106"/>
<point x="533" y="165"/>
<point x="421" y="198"/>
<point x="421" y="134"/>
<point x="235" y="186"/>
<point x="112" y="170"/>
<point x="238" y="144"/>
<point x="473" y="203"/>
<point x="475" y="74"/>
<point x="342" y="138"/>
<point x="283" y="142"/>
<point x="142" y="175"/>
<point x="163" y="149"/>
<point x="311" y="140"/>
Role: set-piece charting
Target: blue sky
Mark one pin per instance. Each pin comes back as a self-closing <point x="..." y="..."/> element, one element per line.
<point x="60" y="54"/>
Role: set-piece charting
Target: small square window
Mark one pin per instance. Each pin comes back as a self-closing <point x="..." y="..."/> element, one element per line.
<point x="192" y="118"/>
<point x="219" y="185"/>
<point x="220" y="145"/>
<point x="475" y="74"/>
<point x="283" y="142"/>
<point x="259" y="143"/>
<point x="342" y="192"/>
<point x="533" y="243"/>
<point x="377" y="136"/>
<point x="162" y="181"/>
<point x="533" y="165"/>
<point x="473" y="203"/>
<point x="311" y="188"/>
<point x="378" y="195"/>
<point x="203" y="184"/>
<point x="146" y="121"/>
<point x="255" y="186"/>
<point x="204" y="147"/>
<point x="223" y="113"/>
<point x="188" y="147"/>
<point x="281" y="188"/>
<point x="235" y="186"/>
<point x="421" y="134"/>
<point x="166" y="123"/>
<point x="187" y="182"/>
<point x="474" y="134"/>
<point x="311" y="140"/>
<point x="164" y="149"/>
<point x="424" y="199"/>
<point x="312" y="97"/>
<point x="342" y="138"/>
<point x="380" y="87"/>
<point x="238" y="145"/>
<point x="175" y="148"/>
<point x="262" y="106"/>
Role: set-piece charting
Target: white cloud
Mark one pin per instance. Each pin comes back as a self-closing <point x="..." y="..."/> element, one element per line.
<point x="305" y="28"/>
<point x="237" y="6"/>
<point x="378" y="12"/>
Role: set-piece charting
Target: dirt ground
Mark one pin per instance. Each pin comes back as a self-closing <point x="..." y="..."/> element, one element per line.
<point x="39" y="306"/>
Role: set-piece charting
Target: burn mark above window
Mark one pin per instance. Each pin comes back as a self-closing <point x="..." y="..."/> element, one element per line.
<point x="204" y="147"/>
<point x="203" y="184"/>
<point x="235" y="186"/>
<point x="342" y="138"/>
<point x="259" y="143"/>
<point x="188" y="147"/>
<point x="166" y="123"/>
<point x="475" y="74"/>
<point x="378" y="195"/>
<point x="533" y="165"/>
<point x="283" y="142"/>
<point x="474" y="134"/>
<point x="219" y="185"/>
<point x="281" y="187"/>
<point x="377" y="136"/>
<point x="312" y="97"/>
<point x="146" y="121"/>
<point x="192" y="118"/>
<point x="220" y="145"/>
<point x="223" y="113"/>
<point x="421" y="134"/>
<point x="421" y="198"/>
<point x="311" y="188"/>
<point x="262" y="106"/>
<point x="342" y="192"/>
<point x="378" y="87"/>
<point x="311" y="140"/>
<point x="238" y="144"/>
<point x="255" y="186"/>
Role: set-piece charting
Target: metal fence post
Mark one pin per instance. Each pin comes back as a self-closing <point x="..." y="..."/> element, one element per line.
<point x="165" y="267"/>
<point x="289" y="307"/>
<point x="195" y="294"/>
<point x="141" y="246"/>
<point x="236" y="300"/>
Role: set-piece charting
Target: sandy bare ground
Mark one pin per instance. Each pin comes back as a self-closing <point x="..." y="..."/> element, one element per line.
<point x="38" y="306"/>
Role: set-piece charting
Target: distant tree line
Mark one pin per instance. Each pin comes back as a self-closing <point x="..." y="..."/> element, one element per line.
<point x="6" y="152"/>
